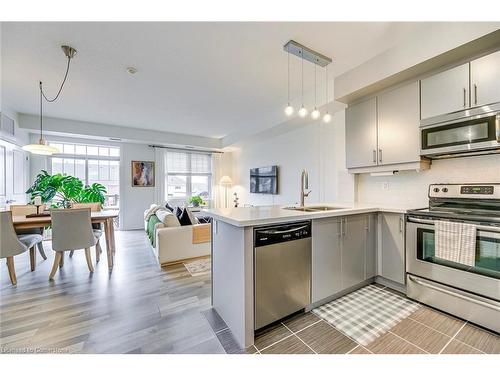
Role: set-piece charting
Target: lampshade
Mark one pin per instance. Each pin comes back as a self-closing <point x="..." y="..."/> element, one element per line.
<point x="41" y="148"/>
<point x="226" y="181"/>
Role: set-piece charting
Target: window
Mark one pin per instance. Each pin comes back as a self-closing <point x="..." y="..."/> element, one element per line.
<point x="91" y="164"/>
<point x="188" y="174"/>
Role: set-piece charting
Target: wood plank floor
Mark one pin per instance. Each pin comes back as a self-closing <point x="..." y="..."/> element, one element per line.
<point x="138" y="308"/>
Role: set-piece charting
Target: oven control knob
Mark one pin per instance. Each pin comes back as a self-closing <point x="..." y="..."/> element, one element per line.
<point x="444" y="190"/>
<point x="436" y="190"/>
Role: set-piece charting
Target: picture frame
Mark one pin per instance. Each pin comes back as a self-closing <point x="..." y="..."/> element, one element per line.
<point x="143" y="173"/>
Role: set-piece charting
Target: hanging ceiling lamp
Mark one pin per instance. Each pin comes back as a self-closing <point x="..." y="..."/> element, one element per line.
<point x="42" y="147"/>
<point x="315" y="113"/>
<point x="302" y="110"/>
<point x="327" y="117"/>
<point x="289" y="109"/>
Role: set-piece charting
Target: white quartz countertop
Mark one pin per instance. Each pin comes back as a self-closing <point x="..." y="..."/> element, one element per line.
<point x="261" y="215"/>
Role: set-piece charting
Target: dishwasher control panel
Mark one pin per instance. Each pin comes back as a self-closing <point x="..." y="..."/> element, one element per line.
<point x="264" y="236"/>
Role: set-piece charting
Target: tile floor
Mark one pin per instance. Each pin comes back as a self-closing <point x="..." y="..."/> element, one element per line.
<point x="425" y="331"/>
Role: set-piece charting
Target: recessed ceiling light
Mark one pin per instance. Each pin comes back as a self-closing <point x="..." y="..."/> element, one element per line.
<point x="132" y="70"/>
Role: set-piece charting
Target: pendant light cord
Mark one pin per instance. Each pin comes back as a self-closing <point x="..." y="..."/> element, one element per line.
<point x="288" y="52"/>
<point x="302" y="85"/>
<point x="315" y="85"/>
<point x="326" y="68"/>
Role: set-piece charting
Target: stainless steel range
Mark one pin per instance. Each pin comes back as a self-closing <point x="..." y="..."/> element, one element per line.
<point x="469" y="292"/>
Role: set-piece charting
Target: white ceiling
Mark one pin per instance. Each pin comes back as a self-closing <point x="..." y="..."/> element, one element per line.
<point x="207" y="79"/>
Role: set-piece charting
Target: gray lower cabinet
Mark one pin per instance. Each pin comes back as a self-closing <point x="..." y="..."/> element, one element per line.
<point x="391" y="253"/>
<point x="343" y="253"/>
<point x="326" y="254"/>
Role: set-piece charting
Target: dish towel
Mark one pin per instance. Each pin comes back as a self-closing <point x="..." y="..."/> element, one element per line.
<point x="455" y="242"/>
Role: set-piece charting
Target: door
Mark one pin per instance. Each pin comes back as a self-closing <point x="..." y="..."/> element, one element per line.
<point x="398" y="125"/>
<point x="13" y="174"/>
<point x="445" y="92"/>
<point x="353" y="250"/>
<point x="371" y="246"/>
<point x="391" y="256"/>
<point x="326" y="258"/>
<point x="361" y="134"/>
<point x="485" y="80"/>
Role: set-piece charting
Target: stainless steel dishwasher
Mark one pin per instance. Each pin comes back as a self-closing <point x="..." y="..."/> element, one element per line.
<point x="282" y="271"/>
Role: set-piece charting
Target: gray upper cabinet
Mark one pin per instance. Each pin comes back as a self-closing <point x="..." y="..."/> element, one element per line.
<point x="485" y="80"/>
<point x="326" y="258"/>
<point x="353" y="250"/>
<point x="391" y="254"/>
<point x="361" y="134"/>
<point x="445" y="92"/>
<point x="398" y="125"/>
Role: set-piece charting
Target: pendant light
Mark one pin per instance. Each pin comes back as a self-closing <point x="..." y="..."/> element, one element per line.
<point x="42" y="147"/>
<point x="289" y="109"/>
<point x="315" y="113"/>
<point x="327" y="117"/>
<point x="302" y="110"/>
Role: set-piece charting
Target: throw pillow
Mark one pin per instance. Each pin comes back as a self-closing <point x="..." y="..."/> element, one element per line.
<point x="178" y="212"/>
<point x="193" y="218"/>
<point x="169" y="207"/>
<point x="184" y="218"/>
<point x="167" y="218"/>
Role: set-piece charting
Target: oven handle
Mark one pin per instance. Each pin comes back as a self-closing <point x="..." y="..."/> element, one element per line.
<point x="455" y="294"/>
<point x="431" y="222"/>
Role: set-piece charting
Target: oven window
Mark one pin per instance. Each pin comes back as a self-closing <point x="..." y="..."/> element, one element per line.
<point x="487" y="254"/>
<point x="458" y="134"/>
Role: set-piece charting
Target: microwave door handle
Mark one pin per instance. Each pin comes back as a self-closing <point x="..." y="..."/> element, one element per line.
<point x="431" y="222"/>
<point x="465" y="95"/>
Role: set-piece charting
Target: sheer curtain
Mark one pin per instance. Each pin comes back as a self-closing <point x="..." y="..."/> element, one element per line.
<point x="160" y="173"/>
<point x="217" y="200"/>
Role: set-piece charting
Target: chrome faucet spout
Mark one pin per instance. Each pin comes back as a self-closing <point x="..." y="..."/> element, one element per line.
<point x="304" y="184"/>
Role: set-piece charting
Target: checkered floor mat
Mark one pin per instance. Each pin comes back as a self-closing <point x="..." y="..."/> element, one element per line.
<point x="366" y="313"/>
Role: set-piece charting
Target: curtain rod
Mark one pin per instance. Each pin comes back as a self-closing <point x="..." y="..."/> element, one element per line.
<point x="187" y="149"/>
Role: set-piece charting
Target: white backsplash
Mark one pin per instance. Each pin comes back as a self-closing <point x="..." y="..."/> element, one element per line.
<point x="410" y="188"/>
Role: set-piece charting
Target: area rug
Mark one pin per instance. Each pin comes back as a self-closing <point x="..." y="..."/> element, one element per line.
<point x="198" y="267"/>
<point x="366" y="313"/>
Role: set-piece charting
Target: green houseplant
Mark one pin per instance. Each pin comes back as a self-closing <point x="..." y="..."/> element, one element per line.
<point x="196" y="200"/>
<point x="61" y="190"/>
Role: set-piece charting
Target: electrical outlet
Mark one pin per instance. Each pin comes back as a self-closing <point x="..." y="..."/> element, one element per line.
<point x="385" y="186"/>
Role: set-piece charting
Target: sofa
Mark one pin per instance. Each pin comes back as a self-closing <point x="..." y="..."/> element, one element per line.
<point x="173" y="243"/>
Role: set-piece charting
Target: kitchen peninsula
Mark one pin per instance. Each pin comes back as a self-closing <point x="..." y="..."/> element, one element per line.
<point x="343" y="255"/>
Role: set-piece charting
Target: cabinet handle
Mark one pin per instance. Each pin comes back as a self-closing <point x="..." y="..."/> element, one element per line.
<point x="341" y="227"/>
<point x="401" y="225"/>
<point x="380" y="155"/>
<point x="374" y="156"/>
<point x="475" y="93"/>
<point x="465" y="100"/>
<point x="345" y="227"/>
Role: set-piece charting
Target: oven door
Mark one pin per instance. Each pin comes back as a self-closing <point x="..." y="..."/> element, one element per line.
<point x="482" y="279"/>
<point x="480" y="133"/>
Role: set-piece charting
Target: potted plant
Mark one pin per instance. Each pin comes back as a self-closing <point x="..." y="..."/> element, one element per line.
<point x="62" y="190"/>
<point x="196" y="201"/>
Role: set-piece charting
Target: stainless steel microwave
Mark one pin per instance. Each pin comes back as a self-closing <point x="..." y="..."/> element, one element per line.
<point x="466" y="136"/>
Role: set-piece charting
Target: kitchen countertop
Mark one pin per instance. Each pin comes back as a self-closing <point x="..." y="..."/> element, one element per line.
<point x="260" y="215"/>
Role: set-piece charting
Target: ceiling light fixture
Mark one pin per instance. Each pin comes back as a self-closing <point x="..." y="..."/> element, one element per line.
<point x="132" y="70"/>
<point x="42" y="147"/>
<point x="302" y="110"/>
<point x="289" y="109"/>
<point x="315" y="113"/>
<point x="327" y="117"/>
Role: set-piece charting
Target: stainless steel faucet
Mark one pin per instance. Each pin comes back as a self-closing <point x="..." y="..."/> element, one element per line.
<point x="304" y="184"/>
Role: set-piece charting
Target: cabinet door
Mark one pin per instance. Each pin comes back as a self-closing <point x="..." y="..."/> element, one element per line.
<point x="353" y="250"/>
<point x="371" y="246"/>
<point x="392" y="254"/>
<point x="361" y="134"/>
<point x="326" y="266"/>
<point x="398" y="125"/>
<point x="445" y="92"/>
<point x="485" y="80"/>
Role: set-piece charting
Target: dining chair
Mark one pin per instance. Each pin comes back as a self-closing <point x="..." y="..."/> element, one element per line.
<point x="71" y="230"/>
<point x="12" y="244"/>
<point x="28" y="209"/>
<point x="96" y="227"/>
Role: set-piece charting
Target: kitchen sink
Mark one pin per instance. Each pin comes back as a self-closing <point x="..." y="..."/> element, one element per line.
<point x="313" y="208"/>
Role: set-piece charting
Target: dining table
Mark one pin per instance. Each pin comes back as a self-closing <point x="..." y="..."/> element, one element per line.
<point x="104" y="217"/>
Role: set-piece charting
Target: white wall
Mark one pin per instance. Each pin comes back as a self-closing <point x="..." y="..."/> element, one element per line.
<point x="312" y="147"/>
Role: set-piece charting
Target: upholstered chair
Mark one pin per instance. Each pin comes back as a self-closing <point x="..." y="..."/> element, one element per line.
<point x="71" y="230"/>
<point x="28" y="209"/>
<point x="96" y="227"/>
<point x="12" y="244"/>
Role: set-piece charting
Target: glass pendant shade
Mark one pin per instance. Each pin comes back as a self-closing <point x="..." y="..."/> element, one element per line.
<point x="315" y="114"/>
<point x="41" y="148"/>
<point x="289" y="110"/>
<point x="327" y="117"/>
<point x="302" y="111"/>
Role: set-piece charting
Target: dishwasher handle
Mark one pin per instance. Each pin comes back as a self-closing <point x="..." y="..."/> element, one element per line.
<point x="281" y="233"/>
<point x="276" y="231"/>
